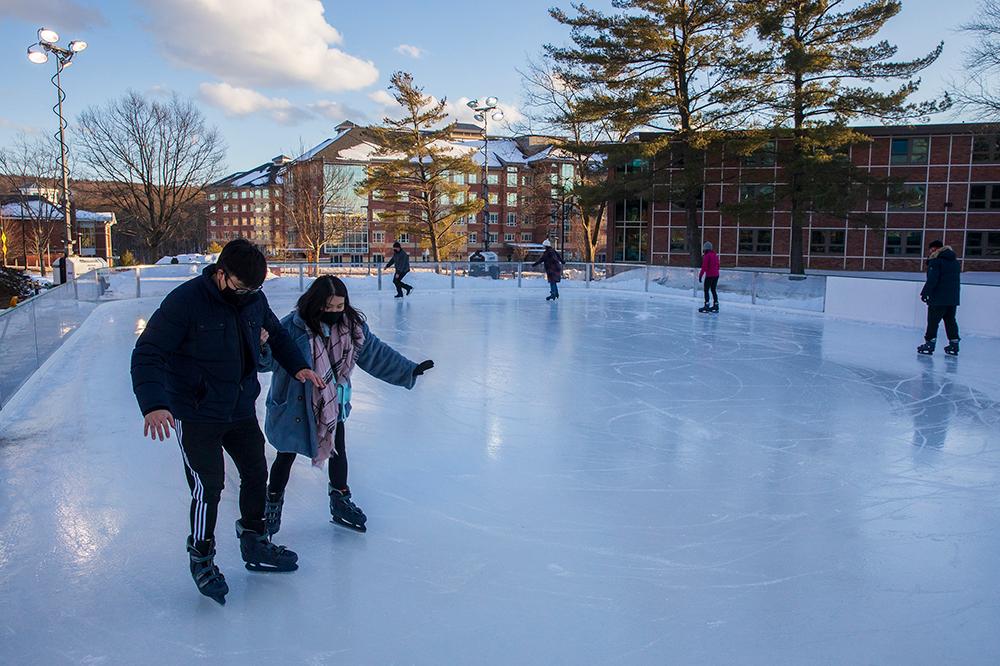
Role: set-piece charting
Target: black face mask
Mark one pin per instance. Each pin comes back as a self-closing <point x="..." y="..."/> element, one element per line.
<point x="331" y="318"/>
<point x="238" y="300"/>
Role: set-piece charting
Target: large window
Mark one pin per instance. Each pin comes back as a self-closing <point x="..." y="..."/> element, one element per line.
<point x="493" y="179"/>
<point x="493" y="236"/>
<point x="631" y="235"/>
<point x="827" y="241"/>
<point x="982" y="244"/>
<point x="344" y="178"/>
<point x="755" y="241"/>
<point x="765" y="156"/>
<point x="379" y="236"/>
<point x="473" y="237"/>
<point x="984" y="197"/>
<point x="678" y="200"/>
<point x="511" y="219"/>
<point x="511" y="177"/>
<point x="904" y="243"/>
<point x="909" y="197"/>
<point x="511" y="199"/>
<point x="494" y="218"/>
<point x="494" y="199"/>
<point x="911" y="150"/>
<point x="678" y="240"/>
<point x="525" y="237"/>
<point x="508" y="238"/>
<point x="986" y="148"/>
<point x="754" y="191"/>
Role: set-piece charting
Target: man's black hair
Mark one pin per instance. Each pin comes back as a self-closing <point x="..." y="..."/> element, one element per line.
<point x="312" y="303"/>
<point x="242" y="260"/>
<point x="935" y="244"/>
<point x="397" y="245"/>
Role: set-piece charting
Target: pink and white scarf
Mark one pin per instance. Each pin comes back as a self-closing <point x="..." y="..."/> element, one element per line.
<point x="333" y="360"/>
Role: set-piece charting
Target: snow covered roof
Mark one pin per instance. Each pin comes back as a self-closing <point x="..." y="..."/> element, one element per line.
<point x="269" y="173"/>
<point x="39" y="208"/>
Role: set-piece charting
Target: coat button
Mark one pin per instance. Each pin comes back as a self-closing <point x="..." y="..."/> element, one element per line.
<point x="298" y="420"/>
<point x="300" y="397"/>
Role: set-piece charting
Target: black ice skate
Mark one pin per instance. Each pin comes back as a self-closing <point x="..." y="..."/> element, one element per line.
<point x="207" y="576"/>
<point x="345" y="512"/>
<point x="952" y="348"/>
<point x="705" y="310"/>
<point x="408" y="290"/>
<point x="550" y="298"/>
<point x="714" y="309"/>
<point x="272" y="512"/>
<point x="927" y="348"/>
<point x="261" y="555"/>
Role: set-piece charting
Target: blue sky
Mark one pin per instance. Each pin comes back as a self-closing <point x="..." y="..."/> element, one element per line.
<point x="277" y="74"/>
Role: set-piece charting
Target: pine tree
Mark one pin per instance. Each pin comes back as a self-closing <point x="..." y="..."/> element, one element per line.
<point x="674" y="65"/>
<point x="821" y="67"/>
<point x="416" y="158"/>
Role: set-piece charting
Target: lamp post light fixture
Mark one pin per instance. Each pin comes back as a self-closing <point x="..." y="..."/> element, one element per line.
<point x="485" y="111"/>
<point x="38" y="53"/>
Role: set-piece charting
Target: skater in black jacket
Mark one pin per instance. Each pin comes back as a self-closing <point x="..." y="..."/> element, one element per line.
<point x="941" y="294"/>
<point x="553" y="269"/>
<point x="401" y="261"/>
<point x="194" y="369"/>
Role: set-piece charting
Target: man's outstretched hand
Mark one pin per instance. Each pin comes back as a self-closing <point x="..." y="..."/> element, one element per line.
<point x="307" y="375"/>
<point x="158" y="424"/>
<point x="422" y="368"/>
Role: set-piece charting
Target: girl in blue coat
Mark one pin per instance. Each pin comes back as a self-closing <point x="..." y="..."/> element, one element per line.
<point x="334" y="338"/>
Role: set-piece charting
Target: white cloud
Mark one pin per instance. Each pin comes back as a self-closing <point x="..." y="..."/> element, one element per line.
<point x="411" y="51"/>
<point x="241" y="102"/>
<point x="60" y="14"/>
<point x="382" y="98"/>
<point x="337" y="111"/>
<point x="258" y="42"/>
<point x="6" y="123"/>
<point x="159" y="90"/>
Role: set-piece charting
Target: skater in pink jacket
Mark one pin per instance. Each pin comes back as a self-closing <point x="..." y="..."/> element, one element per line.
<point x="710" y="271"/>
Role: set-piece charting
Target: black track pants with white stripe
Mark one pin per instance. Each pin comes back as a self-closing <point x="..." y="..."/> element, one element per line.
<point x="202" y="445"/>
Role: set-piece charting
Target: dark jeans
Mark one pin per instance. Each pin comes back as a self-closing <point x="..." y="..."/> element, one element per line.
<point x="202" y="445"/>
<point x="554" y="289"/>
<point x="935" y="313"/>
<point x="282" y="466"/>
<point x="712" y="283"/>
<point x="399" y="284"/>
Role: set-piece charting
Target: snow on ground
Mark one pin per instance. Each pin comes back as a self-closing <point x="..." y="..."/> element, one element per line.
<point x="610" y="479"/>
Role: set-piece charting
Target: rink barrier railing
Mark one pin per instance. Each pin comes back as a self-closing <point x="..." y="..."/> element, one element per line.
<point x="31" y="332"/>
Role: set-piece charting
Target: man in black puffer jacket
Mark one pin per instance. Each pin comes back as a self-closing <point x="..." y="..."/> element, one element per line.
<point x="941" y="294"/>
<point x="194" y="368"/>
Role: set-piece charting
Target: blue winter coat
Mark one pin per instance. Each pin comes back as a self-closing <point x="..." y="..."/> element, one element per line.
<point x="944" y="279"/>
<point x="290" y="424"/>
<point x="197" y="356"/>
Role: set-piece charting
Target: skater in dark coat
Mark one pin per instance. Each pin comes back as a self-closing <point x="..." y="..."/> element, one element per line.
<point x="401" y="261"/>
<point x="710" y="271"/>
<point x="194" y="369"/>
<point x="334" y="337"/>
<point x="553" y="269"/>
<point x="941" y="294"/>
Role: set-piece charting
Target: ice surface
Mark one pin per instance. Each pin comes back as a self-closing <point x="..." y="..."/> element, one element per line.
<point x="610" y="479"/>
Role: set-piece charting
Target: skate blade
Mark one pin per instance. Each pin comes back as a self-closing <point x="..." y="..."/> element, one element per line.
<point x="271" y="568"/>
<point x="925" y="353"/>
<point x="351" y="526"/>
<point x="954" y="354"/>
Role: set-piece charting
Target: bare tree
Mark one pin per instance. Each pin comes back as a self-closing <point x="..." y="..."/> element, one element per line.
<point x="152" y="159"/>
<point x="29" y="173"/>
<point x="980" y="93"/>
<point x="319" y="205"/>
<point x="554" y="104"/>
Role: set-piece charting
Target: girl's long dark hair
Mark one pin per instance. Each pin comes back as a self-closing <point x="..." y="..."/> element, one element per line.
<point x="312" y="303"/>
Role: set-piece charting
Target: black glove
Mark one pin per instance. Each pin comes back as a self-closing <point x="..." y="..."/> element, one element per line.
<point x="422" y="368"/>
<point x="924" y="298"/>
<point x="699" y="280"/>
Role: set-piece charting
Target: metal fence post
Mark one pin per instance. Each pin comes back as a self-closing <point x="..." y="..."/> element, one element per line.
<point x="590" y="268"/>
<point x="646" y="287"/>
<point x="520" y="273"/>
<point x="453" y="275"/>
<point x="302" y="277"/>
<point x="380" y="277"/>
<point x="138" y="282"/>
<point x="753" y="289"/>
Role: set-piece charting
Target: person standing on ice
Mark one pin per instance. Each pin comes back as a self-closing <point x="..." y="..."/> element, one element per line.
<point x="333" y="335"/>
<point x="553" y="269"/>
<point x="941" y="294"/>
<point x="194" y="369"/>
<point x="401" y="261"/>
<point x="710" y="271"/>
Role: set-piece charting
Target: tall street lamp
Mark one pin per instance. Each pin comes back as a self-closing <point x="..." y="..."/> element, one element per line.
<point x="38" y="53"/>
<point x="486" y="111"/>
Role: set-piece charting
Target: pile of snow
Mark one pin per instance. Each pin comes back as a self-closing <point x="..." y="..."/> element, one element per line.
<point x="188" y="259"/>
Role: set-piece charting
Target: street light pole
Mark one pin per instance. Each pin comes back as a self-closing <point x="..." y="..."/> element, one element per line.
<point x="38" y="53"/>
<point x="484" y="112"/>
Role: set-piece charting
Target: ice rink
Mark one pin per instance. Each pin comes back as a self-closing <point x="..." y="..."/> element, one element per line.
<point x="612" y="479"/>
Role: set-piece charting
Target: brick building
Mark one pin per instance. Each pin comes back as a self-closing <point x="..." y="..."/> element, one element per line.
<point x="527" y="178"/>
<point x="248" y="204"/>
<point x="951" y="171"/>
<point x="26" y="218"/>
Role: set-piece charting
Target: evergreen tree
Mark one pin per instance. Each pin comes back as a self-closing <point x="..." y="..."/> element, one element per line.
<point x="822" y="64"/>
<point x="415" y="158"/>
<point x="674" y="65"/>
